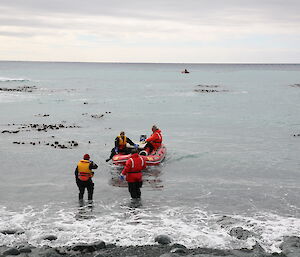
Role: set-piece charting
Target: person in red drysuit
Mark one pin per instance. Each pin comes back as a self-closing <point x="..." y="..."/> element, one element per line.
<point x="133" y="172"/>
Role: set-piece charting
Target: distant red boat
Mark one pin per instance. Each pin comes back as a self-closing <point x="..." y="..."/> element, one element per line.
<point x="154" y="158"/>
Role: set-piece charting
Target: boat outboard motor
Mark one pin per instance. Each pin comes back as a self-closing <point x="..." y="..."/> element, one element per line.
<point x="143" y="138"/>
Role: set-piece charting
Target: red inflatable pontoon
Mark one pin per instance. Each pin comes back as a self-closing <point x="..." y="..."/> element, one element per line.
<point x="154" y="158"/>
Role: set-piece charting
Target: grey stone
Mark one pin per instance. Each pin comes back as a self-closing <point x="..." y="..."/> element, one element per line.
<point x="84" y="248"/>
<point x="240" y="233"/>
<point x="9" y="231"/>
<point x="291" y="246"/>
<point x="100" y="245"/>
<point x="50" y="237"/>
<point x="25" y="250"/>
<point x="11" y="251"/>
<point x="178" y="246"/>
<point x="163" y="239"/>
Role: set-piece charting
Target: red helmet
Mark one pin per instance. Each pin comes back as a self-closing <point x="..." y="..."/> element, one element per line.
<point x="86" y="157"/>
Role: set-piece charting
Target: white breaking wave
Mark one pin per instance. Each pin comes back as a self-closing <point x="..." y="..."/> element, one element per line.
<point x="189" y="226"/>
<point x="3" y="79"/>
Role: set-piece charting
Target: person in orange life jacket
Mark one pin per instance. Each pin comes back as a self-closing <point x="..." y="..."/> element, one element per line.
<point x="83" y="175"/>
<point x="120" y="145"/>
<point x="133" y="172"/>
<point x="154" y="141"/>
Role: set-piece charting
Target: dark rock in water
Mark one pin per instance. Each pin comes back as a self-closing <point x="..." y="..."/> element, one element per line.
<point x="25" y="250"/>
<point x="50" y="238"/>
<point x="9" y="232"/>
<point x="84" y="248"/>
<point x="100" y="245"/>
<point x="178" y="246"/>
<point x="97" y="116"/>
<point x="11" y="251"/>
<point x="240" y="233"/>
<point x="291" y="246"/>
<point x="163" y="239"/>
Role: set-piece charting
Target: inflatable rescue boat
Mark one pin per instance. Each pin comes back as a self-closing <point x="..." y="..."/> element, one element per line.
<point x="154" y="158"/>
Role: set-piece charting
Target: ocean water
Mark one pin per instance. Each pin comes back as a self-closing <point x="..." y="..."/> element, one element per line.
<point x="230" y="153"/>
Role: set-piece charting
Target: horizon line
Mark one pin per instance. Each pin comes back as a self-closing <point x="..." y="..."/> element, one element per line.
<point x="118" y="62"/>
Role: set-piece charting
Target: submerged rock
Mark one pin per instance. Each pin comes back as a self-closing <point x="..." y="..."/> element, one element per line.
<point x="50" y="237"/>
<point x="12" y="232"/>
<point x="97" y="116"/>
<point x="163" y="239"/>
<point x="240" y="233"/>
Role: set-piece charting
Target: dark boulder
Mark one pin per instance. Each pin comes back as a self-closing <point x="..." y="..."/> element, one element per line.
<point x="240" y="233"/>
<point x="100" y="245"/>
<point x="291" y="246"/>
<point x="163" y="239"/>
<point x="9" y="231"/>
<point x="25" y="250"/>
<point x="50" y="237"/>
<point x="11" y="251"/>
<point x="84" y="248"/>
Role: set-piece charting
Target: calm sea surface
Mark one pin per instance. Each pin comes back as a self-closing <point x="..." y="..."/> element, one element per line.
<point x="230" y="153"/>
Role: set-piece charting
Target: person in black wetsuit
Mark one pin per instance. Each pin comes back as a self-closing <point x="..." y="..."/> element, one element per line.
<point x="120" y="145"/>
<point x="83" y="176"/>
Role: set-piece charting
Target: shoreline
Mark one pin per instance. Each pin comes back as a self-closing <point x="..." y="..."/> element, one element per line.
<point x="158" y="250"/>
<point x="163" y="248"/>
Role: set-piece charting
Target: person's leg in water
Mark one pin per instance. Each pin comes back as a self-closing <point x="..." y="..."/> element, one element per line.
<point x="132" y="189"/>
<point x="138" y="190"/>
<point x="81" y="187"/>
<point x="90" y="189"/>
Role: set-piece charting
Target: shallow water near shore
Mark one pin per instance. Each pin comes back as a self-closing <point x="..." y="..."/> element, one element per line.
<point x="231" y="133"/>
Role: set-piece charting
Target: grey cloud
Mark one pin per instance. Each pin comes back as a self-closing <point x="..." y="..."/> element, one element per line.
<point x="16" y="34"/>
<point x="70" y="14"/>
<point x="209" y="10"/>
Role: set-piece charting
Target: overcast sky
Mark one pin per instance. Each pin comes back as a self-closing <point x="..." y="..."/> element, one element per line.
<point x="192" y="31"/>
